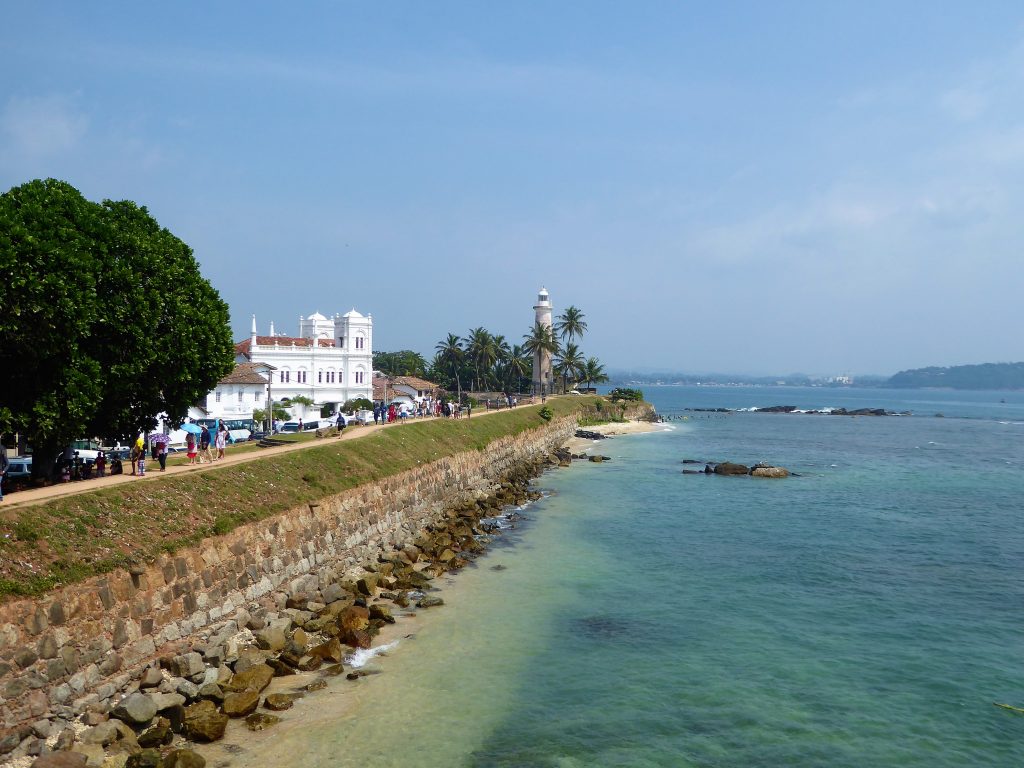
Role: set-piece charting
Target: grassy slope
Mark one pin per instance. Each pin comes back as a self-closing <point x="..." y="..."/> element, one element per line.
<point x="74" y="537"/>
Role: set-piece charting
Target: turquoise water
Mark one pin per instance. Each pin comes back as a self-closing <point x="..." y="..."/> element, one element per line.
<point x="866" y="613"/>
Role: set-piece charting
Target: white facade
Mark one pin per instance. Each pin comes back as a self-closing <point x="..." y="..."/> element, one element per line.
<point x="239" y="393"/>
<point x="542" y="360"/>
<point x="330" y="361"/>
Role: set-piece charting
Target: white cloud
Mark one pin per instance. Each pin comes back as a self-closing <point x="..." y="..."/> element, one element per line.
<point x="43" y="125"/>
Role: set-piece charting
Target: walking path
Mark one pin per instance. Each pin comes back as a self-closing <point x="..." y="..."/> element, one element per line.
<point x="35" y="495"/>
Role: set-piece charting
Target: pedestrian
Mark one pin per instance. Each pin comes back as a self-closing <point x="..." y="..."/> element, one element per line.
<point x="190" y="446"/>
<point x="161" y="455"/>
<point x="142" y="459"/>
<point x="222" y="440"/>
<point x="4" y="464"/>
<point x="469" y="409"/>
<point x="341" y="423"/>
<point x="101" y="464"/>
<point x="300" y="425"/>
<point x="134" y="454"/>
<point x="204" y="445"/>
<point x="376" y="412"/>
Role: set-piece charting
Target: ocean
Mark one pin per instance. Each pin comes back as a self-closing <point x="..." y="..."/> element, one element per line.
<point x="868" y="612"/>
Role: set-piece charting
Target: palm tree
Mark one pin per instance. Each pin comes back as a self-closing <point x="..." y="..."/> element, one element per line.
<point x="538" y="342"/>
<point x="571" y="324"/>
<point x="517" y="365"/>
<point x="480" y="349"/>
<point x="502" y="353"/>
<point x="569" y="363"/>
<point x="593" y="372"/>
<point x="450" y="353"/>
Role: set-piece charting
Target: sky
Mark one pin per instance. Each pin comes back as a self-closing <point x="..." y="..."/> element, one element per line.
<point x="745" y="187"/>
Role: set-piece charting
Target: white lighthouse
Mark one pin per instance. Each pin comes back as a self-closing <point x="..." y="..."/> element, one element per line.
<point x="542" y="359"/>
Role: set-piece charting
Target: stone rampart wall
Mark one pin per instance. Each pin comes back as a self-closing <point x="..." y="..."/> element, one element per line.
<point x="78" y="645"/>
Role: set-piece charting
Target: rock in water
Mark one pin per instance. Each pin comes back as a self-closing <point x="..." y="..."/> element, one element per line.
<point x="241" y="704"/>
<point x="770" y="472"/>
<point x="728" y="468"/>
<point x="429" y="601"/>
<point x="279" y="702"/>
<point x="259" y="721"/>
<point x="183" y="758"/>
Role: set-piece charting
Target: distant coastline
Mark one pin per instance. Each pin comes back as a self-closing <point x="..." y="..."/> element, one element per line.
<point x="981" y="377"/>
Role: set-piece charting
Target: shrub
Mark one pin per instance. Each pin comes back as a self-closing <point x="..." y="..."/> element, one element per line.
<point x="624" y="393"/>
<point x="546" y="413"/>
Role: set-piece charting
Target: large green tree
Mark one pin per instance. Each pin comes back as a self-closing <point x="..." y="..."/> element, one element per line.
<point x="402" y="363"/>
<point x="570" y="324"/>
<point x="106" y="320"/>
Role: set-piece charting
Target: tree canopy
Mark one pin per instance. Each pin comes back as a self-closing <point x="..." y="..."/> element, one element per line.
<point x="106" y="319"/>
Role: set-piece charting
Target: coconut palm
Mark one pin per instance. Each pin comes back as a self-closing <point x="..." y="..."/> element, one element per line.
<point x="480" y="350"/>
<point x="570" y="324"/>
<point x="450" y="354"/>
<point x="593" y="372"/>
<point x="540" y="341"/>
<point x="569" y="363"/>
<point x="517" y="365"/>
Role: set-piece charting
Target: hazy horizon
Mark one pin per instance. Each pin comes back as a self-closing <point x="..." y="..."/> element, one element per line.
<point x="833" y="189"/>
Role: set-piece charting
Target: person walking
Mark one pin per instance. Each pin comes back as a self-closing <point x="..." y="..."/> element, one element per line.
<point x="4" y="464"/>
<point x="190" y="446"/>
<point x="101" y="464"/>
<point x="204" y="445"/>
<point x="142" y="459"/>
<point x="134" y="455"/>
<point x="161" y="455"/>
<point x="222" y="440"/>
<point x="341" y="423"/>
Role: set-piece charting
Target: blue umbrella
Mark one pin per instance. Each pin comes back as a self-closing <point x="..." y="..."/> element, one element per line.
<point x="195" y="429"/>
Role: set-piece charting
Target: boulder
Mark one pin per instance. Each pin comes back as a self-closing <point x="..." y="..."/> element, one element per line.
<point x="164" y="701"/>
<point x="211" y="691"/>
<point x="354" y="617"/>
<point x="259" y="721"/>
<point x="278" y="702"/>
<point x="147" y="758"/>
<point x="367" y="585"/>
<point x="151" y="678"/>
<point x="203" y="722"/>
<point x="187" y="664"/>
<point x="137" y="709"/>
<point x="381" y="612"/>
<point x="429" y="601"/>
<point x="729" y="468"/>
<point x="157" y="736"/>
<point x="331" y="650"/>
<point x="770" y="472"/>
<point x="255" y="678"/>
<point x="183" y="758"/>
<point x="271" y="639"/>
<point x="60" y="760"/>
<point x="241" y="704"/>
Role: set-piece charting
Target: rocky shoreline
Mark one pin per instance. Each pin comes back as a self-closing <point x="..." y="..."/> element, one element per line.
<point x="236" y="675"/>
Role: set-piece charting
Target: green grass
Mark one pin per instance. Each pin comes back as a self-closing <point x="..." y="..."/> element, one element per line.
<point x="70" y="538"/>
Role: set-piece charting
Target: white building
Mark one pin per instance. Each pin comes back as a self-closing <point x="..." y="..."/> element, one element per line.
<point x="541" y="359"/>
<point x="330" y="361"/>
<point x="239" y="393"/>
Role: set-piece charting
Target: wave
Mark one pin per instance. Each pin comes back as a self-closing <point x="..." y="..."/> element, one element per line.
<point x="359" y="657"/>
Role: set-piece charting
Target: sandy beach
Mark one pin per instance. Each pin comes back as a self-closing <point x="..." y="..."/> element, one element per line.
<point x="611" y="429"/>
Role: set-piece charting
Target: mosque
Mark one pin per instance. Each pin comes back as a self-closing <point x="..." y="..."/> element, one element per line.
<point x="329" y="361"/>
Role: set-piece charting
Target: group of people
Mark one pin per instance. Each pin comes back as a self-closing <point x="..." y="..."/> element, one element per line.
<point x="198" y="446"/>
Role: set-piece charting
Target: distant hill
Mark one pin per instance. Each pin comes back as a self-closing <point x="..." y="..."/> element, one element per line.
<point x="984" y="376"/>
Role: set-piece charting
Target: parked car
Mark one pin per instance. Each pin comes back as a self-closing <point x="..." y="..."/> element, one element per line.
<point x="19" y="470"/>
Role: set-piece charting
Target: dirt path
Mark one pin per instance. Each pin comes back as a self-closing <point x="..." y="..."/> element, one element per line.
<point x="36" y="495"/>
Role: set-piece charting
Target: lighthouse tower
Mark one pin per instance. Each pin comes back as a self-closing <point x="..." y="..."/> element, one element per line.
<point x="541" y="359"/>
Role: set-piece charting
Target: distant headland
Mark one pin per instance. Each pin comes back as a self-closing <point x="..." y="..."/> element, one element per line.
<point x="982" y="376"/>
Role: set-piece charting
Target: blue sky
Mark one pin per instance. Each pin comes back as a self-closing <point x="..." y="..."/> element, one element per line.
<point x="739" y="187"/>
